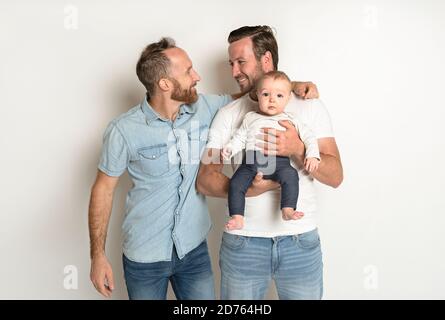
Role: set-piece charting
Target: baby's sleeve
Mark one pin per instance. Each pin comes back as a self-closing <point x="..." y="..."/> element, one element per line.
<point x="309" y="139"/>
<point x="238" y="141"/>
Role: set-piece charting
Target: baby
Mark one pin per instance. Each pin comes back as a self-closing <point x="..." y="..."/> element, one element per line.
<point x="273" y="91"/>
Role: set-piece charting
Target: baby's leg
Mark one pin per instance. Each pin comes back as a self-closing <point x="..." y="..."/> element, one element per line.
<point x="288" y="178"/>
<point x="240" y="182"/>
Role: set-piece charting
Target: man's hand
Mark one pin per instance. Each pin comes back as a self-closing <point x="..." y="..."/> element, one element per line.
<point x="305" y="90"/>
<point x="101" y="275"/>
<point x="283" y="143"/>
<point x="260" y="185"/>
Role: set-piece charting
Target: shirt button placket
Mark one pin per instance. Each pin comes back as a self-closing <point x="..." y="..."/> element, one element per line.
<point x="178" y="148"/>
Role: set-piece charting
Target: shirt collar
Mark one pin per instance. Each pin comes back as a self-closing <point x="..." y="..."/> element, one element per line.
<point x="151" y="114"/>
<point x="187" y="108"/>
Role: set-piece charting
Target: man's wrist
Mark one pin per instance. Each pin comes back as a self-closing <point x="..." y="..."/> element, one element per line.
<point x="299" y="151"/>
<point x="95" y="255"/>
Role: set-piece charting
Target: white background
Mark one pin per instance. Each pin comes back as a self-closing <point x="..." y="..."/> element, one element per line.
<point x="380" y="70"/>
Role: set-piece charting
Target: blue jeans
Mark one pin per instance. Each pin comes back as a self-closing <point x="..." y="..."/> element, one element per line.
<point x="248" y="264"/>
<point x="191" y="278"/>
<point x="273" y="167"/>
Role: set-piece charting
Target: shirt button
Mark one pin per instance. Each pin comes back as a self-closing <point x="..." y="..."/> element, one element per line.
<point x="180" y="190"/>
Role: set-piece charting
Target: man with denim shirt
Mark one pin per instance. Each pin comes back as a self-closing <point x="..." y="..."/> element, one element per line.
<point x="159" y="142"/>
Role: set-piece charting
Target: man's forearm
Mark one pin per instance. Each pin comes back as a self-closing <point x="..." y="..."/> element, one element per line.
<point x="98" y="218"/>
<point x="330" y="171"/>
<point x="213" y="183"/>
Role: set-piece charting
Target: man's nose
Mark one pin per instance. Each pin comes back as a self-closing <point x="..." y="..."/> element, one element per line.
<point x="196" y="76"/>
<point x="235" y="70"/>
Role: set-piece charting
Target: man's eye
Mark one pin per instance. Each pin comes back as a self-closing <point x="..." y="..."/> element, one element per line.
<point x="241" y="62"/>
<point x="279" y="95"/>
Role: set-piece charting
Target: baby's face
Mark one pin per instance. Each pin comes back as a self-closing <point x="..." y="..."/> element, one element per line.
<point x="273" y="95"/>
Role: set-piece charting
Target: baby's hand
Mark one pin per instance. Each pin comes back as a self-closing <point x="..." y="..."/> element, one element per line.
<point x="311" y="164"/>
<point x="226" y="152"/>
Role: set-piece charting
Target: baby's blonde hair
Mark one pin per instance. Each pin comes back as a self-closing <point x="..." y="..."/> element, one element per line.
<point x="275" y="75"/>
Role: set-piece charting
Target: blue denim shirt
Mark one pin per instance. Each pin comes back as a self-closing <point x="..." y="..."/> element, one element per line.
<point x="162" y="157"/>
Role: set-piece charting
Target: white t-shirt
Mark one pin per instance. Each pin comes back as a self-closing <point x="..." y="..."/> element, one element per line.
<point x="246" y="136"/>
<point x="262" y="216"/>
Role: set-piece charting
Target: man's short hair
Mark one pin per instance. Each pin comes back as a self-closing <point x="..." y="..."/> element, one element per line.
<point x="153" y="65"/>
<point x="263" y="40"/>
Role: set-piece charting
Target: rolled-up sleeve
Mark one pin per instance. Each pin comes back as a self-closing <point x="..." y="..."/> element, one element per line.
<point x="115" y="154"/>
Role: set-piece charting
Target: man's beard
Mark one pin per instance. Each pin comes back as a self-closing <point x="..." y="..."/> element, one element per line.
<point x="188" y="96"/>
<point x="252" y="80"/>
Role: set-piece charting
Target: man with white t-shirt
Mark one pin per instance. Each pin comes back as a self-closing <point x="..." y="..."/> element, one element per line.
<point x="268" y="247"/>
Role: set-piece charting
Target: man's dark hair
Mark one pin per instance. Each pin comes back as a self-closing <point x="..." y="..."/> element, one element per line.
<point x="153" y="65"/>
<point x="263" y="40"/>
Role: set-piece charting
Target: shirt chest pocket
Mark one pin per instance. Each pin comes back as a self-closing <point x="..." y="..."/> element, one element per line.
<point x="199" y="133"/>
<point x="154" y="160"/>
<point x="197" y="139"/>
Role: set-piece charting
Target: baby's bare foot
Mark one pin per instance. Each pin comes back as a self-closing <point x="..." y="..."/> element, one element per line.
<point x="235" y="223"/>
<point x="291" y="214"/>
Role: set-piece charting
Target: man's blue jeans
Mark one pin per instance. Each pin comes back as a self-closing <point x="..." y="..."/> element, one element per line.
<point x="248" y="264"/>
<point x="191" y="278"/>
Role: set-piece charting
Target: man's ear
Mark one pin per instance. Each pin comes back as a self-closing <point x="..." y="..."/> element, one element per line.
<point x="165" y="84"/>
<point x="267" y="62"/>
